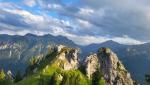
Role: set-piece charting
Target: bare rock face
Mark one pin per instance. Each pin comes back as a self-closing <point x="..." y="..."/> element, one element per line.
<point x="92" y="64"/>
<point x="59" y="48"/>
<point x="9" y="75"/>
<point x="67" y="57"/>
<point x="113" y="71"/>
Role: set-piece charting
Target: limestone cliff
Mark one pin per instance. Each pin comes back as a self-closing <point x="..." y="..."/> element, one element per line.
<point x="111" y="68"/>
<point x="67" y="58"/>
<point x="92" y="64"/>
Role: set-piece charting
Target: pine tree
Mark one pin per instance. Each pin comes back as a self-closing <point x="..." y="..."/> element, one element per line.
<point x="18" y="77"/>
<point x="147" y="78"/>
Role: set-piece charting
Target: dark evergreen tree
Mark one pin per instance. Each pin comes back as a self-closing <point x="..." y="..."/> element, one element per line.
<point x="17" y="77"/>
<point x="147" y="78"/>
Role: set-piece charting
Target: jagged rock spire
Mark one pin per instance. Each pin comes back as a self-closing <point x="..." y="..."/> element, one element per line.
<point x="113" y="71"/>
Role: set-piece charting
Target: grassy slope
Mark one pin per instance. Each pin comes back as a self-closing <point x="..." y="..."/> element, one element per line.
<point x="72" y="77"/>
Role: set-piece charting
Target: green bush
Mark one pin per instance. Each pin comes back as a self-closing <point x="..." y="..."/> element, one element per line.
<point x="2" y="75"/>
<point x="97" y="78"/>
<point x="74" y="77"/>
<point x="56" y="79"/>
<point x="6" y="82"/>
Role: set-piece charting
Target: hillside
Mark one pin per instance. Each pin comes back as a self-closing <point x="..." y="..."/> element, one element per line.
<point x="62" y="66"/>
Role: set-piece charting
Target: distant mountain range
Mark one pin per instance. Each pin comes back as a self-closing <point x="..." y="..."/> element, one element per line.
<point x="15" y="51"/>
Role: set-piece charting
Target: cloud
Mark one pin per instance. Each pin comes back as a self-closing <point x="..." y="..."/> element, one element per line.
<point x="84" y="22"/>
<point x="12" y="19"/>
<point x="30" y="3"/>
<point x="121" y="17"/>
<point x="86" y="11"/>
<point x="86" y="40"/>
<point x="8" y="5"/>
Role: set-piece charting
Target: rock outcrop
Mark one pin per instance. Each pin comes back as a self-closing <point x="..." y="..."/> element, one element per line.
<point x="92" y="64"/>
<point x="9" y="75"/>
<point x="67" y="58"/>
<point x="113" y="71"/>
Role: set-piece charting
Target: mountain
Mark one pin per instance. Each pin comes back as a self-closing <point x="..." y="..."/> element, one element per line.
<point x="94" y="47"/>
<point x="136" y="58"/>
<point x="15" y="51"/>
<point x="107" y="63"/>
<point x="61" y="66"/>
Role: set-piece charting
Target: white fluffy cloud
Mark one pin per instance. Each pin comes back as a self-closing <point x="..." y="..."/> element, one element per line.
<point x="28" y="17"/>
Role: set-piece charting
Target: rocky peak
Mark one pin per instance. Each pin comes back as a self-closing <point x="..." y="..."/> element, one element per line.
<point x="58" y="48"/>
<point x="113" y="71"/>
<point x="67" y="57"/>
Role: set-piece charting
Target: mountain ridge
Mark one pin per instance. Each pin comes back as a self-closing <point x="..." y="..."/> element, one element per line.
<point x="61" y="67"/>
<point x="23" y="48"/>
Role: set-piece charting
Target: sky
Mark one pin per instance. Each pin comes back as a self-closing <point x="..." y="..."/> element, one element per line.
<point x="82" y="21"/>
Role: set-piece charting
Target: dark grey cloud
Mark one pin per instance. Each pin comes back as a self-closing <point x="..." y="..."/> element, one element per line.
<point x="121" y="17"/>
<point x="12" y="19"/>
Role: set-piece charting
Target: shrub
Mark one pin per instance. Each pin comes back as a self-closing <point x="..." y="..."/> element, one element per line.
<point x="2" y="75"/>
<point x="97" y="78"/>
